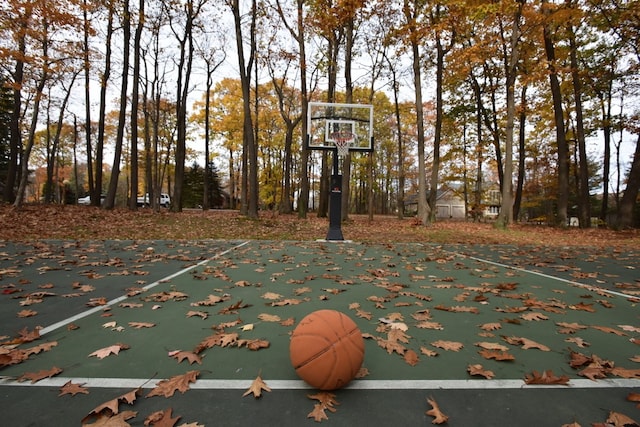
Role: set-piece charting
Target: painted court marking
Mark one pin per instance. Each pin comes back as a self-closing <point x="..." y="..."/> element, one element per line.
<point x="118" y="300"/>
<point x="220" y="384"/>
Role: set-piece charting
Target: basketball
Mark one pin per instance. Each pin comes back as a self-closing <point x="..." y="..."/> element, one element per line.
<point x="326" y="349"/>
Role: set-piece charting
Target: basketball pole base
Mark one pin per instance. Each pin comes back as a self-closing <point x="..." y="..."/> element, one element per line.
<point x="335" y="209"/>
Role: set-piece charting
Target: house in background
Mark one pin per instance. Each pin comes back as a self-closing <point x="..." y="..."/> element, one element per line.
<point x="450" y="203"/>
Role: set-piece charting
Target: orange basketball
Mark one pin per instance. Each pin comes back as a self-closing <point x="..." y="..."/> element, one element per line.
<point x="326" y="349"/>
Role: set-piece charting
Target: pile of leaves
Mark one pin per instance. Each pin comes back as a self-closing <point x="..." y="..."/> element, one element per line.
<point x="83" y="222"/>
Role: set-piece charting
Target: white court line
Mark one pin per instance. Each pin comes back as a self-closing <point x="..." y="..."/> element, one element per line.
<point x="118" y="300"/>
<point x="354" y="385"/>
<point x="546" y="276"/>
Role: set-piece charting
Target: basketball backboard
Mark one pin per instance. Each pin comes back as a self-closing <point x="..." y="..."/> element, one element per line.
<point x="329" y="122"/>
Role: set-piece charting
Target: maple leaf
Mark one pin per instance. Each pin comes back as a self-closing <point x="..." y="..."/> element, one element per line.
<point x="40" y="375"/>
<point x="190" y="356"/>
<point x="478" y="370"/>
<point x="179" y="383"/>
<point x="228" y="339"/>
<point x="546" y="377"/>
<point x="106" y="351"/>
<point x="438" y="416"/>
<point x="73" y="389"/>
<point x="256" y="388"/>
<point x="161" y="419"/>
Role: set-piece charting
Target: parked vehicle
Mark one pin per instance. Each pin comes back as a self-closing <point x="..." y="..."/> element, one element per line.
<point x="86" y="200"/>
<point x="163" y="200"/>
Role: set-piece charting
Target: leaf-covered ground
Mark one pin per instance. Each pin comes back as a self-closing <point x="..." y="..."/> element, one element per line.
<point x="82" y="222"/>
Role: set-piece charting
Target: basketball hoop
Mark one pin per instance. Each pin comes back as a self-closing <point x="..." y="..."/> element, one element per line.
<point x="343" y="141"/>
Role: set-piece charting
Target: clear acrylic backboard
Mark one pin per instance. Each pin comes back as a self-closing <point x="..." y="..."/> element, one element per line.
<point x="328" y="122"/>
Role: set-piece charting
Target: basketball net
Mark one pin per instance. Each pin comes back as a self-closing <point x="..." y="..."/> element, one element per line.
<point x="343" y="141"/>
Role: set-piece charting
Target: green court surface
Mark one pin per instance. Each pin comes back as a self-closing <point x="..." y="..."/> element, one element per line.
<point x="537" y="305"/>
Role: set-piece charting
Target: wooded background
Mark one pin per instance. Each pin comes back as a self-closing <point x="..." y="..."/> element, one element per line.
<point x="121" y="98"/>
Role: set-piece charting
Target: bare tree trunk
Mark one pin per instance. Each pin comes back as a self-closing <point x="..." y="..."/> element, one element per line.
<point x="87" y="98"/>
<point x="133" y="193"/>
<point x="563" y="153"/>
<point x="110" y="200"/>
<point x="104" y="81"/>
<point x="630" y="194"/>
<point x="584" y="205"/>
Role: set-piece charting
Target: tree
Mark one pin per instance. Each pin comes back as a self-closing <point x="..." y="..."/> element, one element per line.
<point x="245" y="66"/>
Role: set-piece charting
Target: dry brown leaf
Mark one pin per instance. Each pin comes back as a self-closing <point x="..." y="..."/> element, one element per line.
<point x="118" y="420"/>
<point x="609" y="330"/>
<point x="73" y="389"/>
<point x="491" y="326"/>
<point x="40" y="375"/>
<point x="106" y="351"/>
<point x="501" y="356"/>
<point x="411" y="357"/>
<point x="111" y="407"/>
<point x="201" y="314"/>
<point x="438" y="416"/>
<point x="190" y="356"/>
<point x="534" y="316"/>
<point x="546" y="377"/>
<point x="427" y="352"/>
<point x="256" y="388"/>
<point x="617" y="419"/>
<point x="161" y="419"/>
<point x="492" y="346"/>
<point x="265" y="317"/>
<point x="179" y="383"/>
<point x="478" y="370"/>
<point x="140" y="325"/>
<point x="448" y="345"/>
<point x="326" y="402"/>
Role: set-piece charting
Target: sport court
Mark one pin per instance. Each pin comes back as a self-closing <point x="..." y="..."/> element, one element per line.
<point x="446" y="299"/>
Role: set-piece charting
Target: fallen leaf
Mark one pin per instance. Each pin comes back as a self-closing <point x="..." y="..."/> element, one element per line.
<point x="40" y="375"/>
<point x="616" y="419"/>
<point x="140" y="325"/>
<point x="256" y="388"/>
<point x="106" y="351"/>
<point x="179" y="383"/>
<point x="546" y="377"/>
<point x="73" y="389"/>
<point x="478" y="370"/>
<point x="411" y="357"/>
<point x="190" y="356"/>
<point x="438" y="416"/>
<point x="326" y="402"/>
<point x="111" y="407"/>
<point x="448" y="345"/>
<point x="161" y="419"/>
<point x="118" y="420"/>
